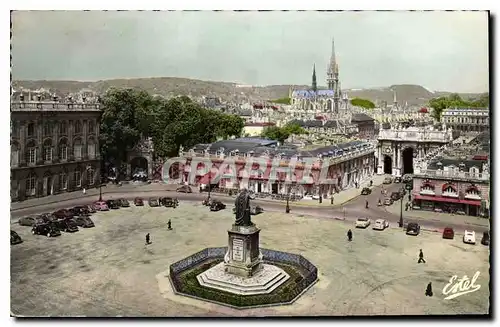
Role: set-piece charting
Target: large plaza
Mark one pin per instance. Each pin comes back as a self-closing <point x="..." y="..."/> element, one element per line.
<point x="109" y="271"/>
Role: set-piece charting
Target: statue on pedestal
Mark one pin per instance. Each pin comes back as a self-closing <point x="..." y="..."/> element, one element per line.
<point x="242" y="204"/>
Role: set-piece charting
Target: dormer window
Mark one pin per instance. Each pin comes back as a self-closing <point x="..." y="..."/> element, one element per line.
<point x="427" y="189"/>
<point x="450" y="191"/>
<point x="473" y="193"/>
<point x="474" y="171"/>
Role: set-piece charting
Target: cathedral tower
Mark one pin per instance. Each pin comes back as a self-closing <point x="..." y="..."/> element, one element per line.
<point x="333" y="79"/>
<point x="314" y="84"/>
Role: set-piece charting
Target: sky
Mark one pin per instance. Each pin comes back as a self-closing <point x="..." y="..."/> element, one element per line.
<point x="442" y="51"/>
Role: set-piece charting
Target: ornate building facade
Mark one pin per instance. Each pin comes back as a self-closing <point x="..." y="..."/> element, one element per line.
<point x="467" y="119"/>
<point x="330" y="100"/>
<point x="54" y="145"/>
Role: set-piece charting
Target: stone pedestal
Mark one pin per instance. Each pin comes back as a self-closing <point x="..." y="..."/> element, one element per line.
<point x="243" y="257"/>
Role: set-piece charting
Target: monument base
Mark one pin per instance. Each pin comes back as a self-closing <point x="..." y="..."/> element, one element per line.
<point x="243" y="257"/>
<point x="268" y="278"/>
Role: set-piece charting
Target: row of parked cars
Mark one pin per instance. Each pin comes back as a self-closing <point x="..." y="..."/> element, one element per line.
<point x="216" y="205"/>
<point x="414" y="229"/>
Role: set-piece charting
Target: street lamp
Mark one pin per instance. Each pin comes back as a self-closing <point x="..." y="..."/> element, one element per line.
<point x="209" y="183"/>
<point x="403" y="193"/>
<point x="100" y="182"/>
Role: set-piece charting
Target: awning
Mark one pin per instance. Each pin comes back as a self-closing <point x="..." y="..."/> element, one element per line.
<point x="445" y="199"/>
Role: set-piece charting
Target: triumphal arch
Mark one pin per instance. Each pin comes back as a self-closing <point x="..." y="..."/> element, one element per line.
<point x="400" y="146"/>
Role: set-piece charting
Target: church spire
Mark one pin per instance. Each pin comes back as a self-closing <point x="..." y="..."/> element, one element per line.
<point x="333" y="58"/>
<point x="314" y="84"/>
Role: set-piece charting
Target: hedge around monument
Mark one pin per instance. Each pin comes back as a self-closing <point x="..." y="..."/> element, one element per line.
<point x="188" y="284"/>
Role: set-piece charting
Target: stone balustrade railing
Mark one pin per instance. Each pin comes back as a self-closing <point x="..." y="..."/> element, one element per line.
<point x="451" y="174"/>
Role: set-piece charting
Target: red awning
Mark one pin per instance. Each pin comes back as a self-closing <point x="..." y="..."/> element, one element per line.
<point x="445" y="199"/>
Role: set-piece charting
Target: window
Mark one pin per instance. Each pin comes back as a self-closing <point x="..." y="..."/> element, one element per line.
<point x="31" y="185"/>
<point x="449" y="191"/>
<point x="78" y="178"/>
<point x="78" y="127"/>
<point x="427" y="189"/>
<point x="91" y="126"/>
<point x="14" y="155"/>
<point x="47" y="150"/>
<point x="14" y="128"/>
<point x="91" y="149"/>
<point x="91" y="176"/>
<point x="47" y="129"/>
<point x="77" y="150"/>
<point x="63" y="181"/>
<point x="63" y="128"/>
<point x="63" y="150"/>
<point x="31" y="129"/>
<point x="31" y="153"/>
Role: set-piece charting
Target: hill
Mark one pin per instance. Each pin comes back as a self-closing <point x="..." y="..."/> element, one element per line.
<point x="170" y="86"/>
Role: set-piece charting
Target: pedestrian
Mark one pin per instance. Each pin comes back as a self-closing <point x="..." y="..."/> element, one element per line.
<point x="421" y="257"/>
<point x="147" y="239"/>
<point x="84" y="191"/>
<point x="371" y="183"/>
<point x="366" y="204"/>
<point x="331" y="199"/>
<point x="406" y="206"/>
<point x="349" y="235"/>
<point x="428" y="291"/>
<point x="169" y="225"/>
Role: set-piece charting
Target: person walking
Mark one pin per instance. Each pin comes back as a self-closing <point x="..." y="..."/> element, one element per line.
<point x="147" y="239"/>
<point x="84" y="191"/>
<point x="349" y="235"/>
<point x="421" y="257"/>
<point x="169" y="225"/>
<point x="428" y="291"/>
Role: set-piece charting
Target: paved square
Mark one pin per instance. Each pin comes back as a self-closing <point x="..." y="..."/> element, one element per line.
<point x="108" y="270"/>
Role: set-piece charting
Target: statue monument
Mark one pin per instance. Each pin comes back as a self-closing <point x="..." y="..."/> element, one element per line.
<point x="243" y="271"/>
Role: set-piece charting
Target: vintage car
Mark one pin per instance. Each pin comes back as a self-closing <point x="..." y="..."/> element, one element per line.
<point x="388" y="201"/>
<point x="486" y="238"/>
<point x="47" y="217"/>
<point x="169" y="202"/>
<point x="139" y="202"/>
<point x="254" y="210"/>
<point x="366" y="191"/>
<point x="90" y="208"/>
<point x="80" y="211"/>
<point x="413" y="229"/>
<point x="397" y="179"/>
<point x="49" y="230"/>
<point x="184" y="189"/>
<point x="470" y="237"/>
<point x="63" y="213"/>
<point x="387" y="180"/>
<point x="123" y="203"/>
<point x="363" y="222"/>
<point x="217" y="205"/>
<point x="101" y="206"/>
<point x="113" y="204"/>
<point x="395" y="196"/>
<point x="380" y="224"/>
<point x="67" y="225"/>
<point x="207" y="202"/>
<point x="15" y="238"/>
<point x="29" y="221"/>
<point x="153" y="202"/>
<point x="84" y="222"/>
<point x="448" y="233"/>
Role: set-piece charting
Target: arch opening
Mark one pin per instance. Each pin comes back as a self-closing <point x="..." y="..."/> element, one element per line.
<point x="387" y="165"/>
<point x="139" y="169"/>
<point x="408" y="161"/>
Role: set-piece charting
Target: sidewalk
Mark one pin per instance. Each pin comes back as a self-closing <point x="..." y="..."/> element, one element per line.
<point x="437" y="216"/>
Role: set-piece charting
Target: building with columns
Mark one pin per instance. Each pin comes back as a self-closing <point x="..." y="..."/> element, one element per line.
<point x="467" y="119"/>
<point x="54" y="145"/>
<point x="399" y="147"/>
<point x="345" y="164"/>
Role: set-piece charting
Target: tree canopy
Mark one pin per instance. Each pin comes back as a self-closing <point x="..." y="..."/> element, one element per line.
<point x="282" y="133"/>
<point x="455" y="101"/>
<point x="282" y="100"/>
<point x="364" y="103"/>
<point x="129" y="114"/>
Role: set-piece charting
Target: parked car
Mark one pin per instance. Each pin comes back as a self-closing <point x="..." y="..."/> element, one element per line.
<point x="387" y="180"/>
<point x="395" y="196"/>
<point x="101" y="206"/>
<point x="366" y="191"/>
<point x="380" y="224"/>
<point x="397" y="179"/>
<point x="486" y="238"/>
<point x="15" y="238"/>
<point x="169" y="202"/>
<point x="363" y="222"/>
<point x="448" y="233"/>
<point x="84" y="222"/>
<point x="113" y="204"/>
<point x="63" y="213"/>
<point x="217" y="205"/>
<point x="123" y="203"/>
<point x="46" y="217"/>
<point x="153" y="202"/>
<point x="90" y="208"/>
<point x="139" y="202"/>
<point x="80" y="211"/>
<point x="388" y="201"/>
<point x="67" y="225"/>
<point x="49" y="230"/>
<point x="184" y="189"/>
<point x="470" y="237"/>
<point x="413" y="229"/>
<point x="207" y="202"/>
<point x="28" y="221"/>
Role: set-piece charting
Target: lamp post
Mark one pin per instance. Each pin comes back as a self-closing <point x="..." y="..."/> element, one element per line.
<point x="401" y="211"/>
<point x="209" y="183"/>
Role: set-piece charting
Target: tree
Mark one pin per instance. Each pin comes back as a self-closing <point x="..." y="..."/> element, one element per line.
<point x="282" y="133"/>
<point x="286" y="100"/>
<point x="455" y="101"/>
<point x="364" y="103"/>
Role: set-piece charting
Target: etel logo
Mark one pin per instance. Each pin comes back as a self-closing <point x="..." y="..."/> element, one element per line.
<point x="457" y="287"/>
